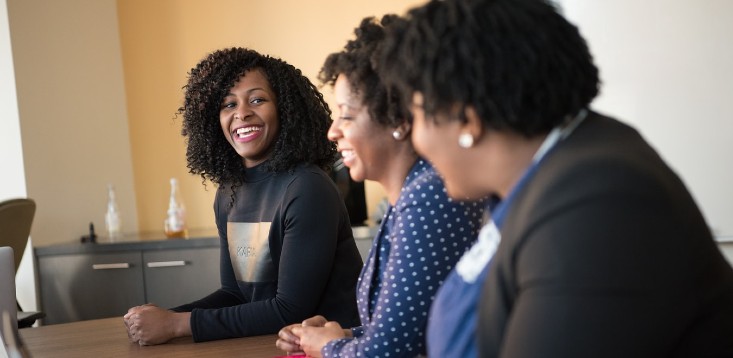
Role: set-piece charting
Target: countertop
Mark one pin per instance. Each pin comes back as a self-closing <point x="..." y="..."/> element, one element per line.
<point x="157" y="241"/>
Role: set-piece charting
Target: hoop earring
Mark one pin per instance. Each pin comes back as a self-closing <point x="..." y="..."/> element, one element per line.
<point x="465" y="140"/>
<point x="397" y="134"/>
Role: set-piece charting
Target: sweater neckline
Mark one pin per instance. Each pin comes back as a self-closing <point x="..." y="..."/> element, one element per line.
<point x="257" y="173"/>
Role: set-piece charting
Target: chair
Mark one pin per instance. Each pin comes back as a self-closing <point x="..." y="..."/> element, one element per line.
<point x="16" y="219"/>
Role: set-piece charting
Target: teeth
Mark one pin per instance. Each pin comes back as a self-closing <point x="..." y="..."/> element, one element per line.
<point x="347" y="153"/>
<point x="247" y="130"/>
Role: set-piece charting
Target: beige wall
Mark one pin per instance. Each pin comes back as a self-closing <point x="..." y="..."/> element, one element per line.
<point x="161" y="40"/>
<point x="73" y="116"/>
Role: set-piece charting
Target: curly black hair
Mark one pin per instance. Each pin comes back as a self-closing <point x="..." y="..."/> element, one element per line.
<point x="358" y="63"/>
<point x="303" y="114"/>
<point x="519" y="63"/>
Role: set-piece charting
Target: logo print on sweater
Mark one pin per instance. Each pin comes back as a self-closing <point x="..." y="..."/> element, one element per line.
<point x="249" y="250"/>
<point x="246" y="251"/>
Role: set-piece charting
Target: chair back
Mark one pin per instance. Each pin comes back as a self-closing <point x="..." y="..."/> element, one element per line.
<point x="7" y="291"/>
<point x="16" y="219"/>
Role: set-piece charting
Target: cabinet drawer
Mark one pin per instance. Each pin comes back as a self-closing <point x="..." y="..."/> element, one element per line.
<point x="82" y="287"/>
<point x="175" y="277"/>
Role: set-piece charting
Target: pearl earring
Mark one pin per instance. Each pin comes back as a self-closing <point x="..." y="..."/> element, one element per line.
<point x="397" y="135"/>
<point x="465" y="140"/>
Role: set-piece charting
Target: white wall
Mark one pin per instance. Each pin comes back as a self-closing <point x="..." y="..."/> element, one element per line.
<point x="666" y="69"/>
<point x="727" y="249"/>
<point x="12" y="182"/>
<point x="11" y="149"/>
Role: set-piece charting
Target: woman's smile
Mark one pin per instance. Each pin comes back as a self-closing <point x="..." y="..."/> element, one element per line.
<point x="247" y="133"/>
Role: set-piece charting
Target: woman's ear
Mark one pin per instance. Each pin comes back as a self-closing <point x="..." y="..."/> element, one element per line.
<point x="471" y="128"/>
<point x="473" y="125"/>
<point x="402" y="131"/>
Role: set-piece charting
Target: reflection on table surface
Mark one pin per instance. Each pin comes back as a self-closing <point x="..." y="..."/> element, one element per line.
<point x="107" y="338"/>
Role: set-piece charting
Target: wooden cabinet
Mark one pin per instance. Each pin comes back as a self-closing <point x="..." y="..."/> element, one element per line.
<point x="89" y="281"/>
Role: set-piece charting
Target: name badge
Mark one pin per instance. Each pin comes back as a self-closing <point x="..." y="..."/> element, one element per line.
<point x="475" y="260"/>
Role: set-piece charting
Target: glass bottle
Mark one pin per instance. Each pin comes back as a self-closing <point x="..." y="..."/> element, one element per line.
<point x="175" y="222"/>
<point x="112" y="219"/>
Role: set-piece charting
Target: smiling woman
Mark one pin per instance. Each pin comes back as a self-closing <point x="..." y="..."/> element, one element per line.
<point x="287" y="249"/>
<point x="422" y="234"/>
<point x="595" y="248"/>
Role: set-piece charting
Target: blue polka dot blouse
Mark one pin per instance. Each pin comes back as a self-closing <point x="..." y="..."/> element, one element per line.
<point x="419" y="241"/>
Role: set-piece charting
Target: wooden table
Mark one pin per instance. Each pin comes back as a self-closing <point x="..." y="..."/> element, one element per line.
<point x="107" y="338"/>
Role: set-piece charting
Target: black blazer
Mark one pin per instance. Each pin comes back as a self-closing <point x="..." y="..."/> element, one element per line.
<point x="604" y="253"/>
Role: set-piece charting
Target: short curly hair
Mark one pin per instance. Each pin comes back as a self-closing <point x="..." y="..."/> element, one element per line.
<point x="519" y="63"/>
<point x="303" y="114"/>
<point x="358" y="63"/>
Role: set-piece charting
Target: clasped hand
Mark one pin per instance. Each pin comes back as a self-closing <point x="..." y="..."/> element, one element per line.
<point x="310" y="336"/>
<point x="149" y="324"/>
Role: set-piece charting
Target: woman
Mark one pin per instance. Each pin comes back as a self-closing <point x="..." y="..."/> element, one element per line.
<point x="255" y="126"/>
<point x="423" y="233"/>
<point x="603" y="252"/>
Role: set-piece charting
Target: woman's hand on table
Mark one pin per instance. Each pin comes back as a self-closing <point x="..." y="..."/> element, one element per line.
<point x="310" y="336"/>
<point x="149" y="324"/>
<point x="289" y="342"/>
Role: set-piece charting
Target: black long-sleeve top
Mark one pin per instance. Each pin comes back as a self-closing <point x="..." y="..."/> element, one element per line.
<point x="287" y="253"/>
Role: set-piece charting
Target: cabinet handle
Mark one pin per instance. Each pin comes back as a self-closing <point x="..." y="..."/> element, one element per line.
<point x="111" y="266"/>
<point x="166" y="263"/>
